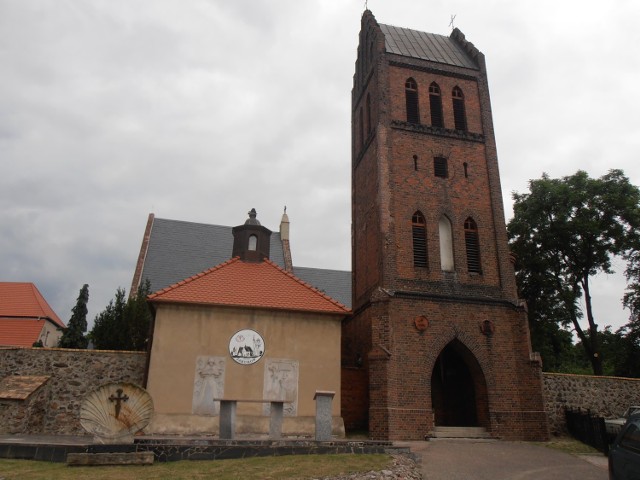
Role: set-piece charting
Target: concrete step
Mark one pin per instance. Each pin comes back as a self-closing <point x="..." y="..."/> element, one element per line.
<point x="460" y="432"/>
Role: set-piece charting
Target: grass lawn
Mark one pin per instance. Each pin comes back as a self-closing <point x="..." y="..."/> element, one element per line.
<point x="265" y="468"/>
<point x="571" y="445"/>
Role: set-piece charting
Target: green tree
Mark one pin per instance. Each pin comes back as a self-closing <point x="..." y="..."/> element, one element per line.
<point x="138" y="317"/>
<point x="563" y="232"/>
<point x="74" y="335"/>
<point x="123" y="324"/>
<point x="107" y="332"/>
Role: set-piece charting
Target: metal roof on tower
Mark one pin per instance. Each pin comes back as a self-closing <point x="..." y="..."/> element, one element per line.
<point x="426" y="46"/>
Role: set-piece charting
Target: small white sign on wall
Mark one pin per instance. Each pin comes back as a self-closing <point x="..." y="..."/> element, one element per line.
<point x="246" y="347"/>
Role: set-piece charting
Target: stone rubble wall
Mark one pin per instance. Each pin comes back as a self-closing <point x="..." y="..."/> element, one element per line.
<point x="55" y="407"/>
<point x="607" y="397"/>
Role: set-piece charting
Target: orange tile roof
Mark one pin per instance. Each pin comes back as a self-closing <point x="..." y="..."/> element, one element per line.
<point x="248" y="284"/>
<point x="20" y="332"/>
<point x="22" y="299"/>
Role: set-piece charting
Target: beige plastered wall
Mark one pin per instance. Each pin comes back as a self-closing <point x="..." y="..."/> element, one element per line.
<point x="182" y="333"/>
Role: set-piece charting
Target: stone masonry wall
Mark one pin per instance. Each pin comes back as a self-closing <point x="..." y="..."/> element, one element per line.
<point x="606" y="397"/>
<point x="55" y="407"/>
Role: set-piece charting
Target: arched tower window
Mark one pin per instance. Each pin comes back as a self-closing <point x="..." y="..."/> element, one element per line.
<point x="459" y="116"/>
<point x="411" y="95"/>
<point x="472" y="244"/>
<point x="435" y="104"/>
<point x="253" y="243"/>
<point x="419" y="233"/>
<point x="446" y="244"/>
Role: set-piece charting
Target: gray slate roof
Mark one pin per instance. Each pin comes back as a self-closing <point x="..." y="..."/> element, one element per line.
<point x="427" y="46"/>
<point x="335" y="283"/>
<point x="178" y="250"/>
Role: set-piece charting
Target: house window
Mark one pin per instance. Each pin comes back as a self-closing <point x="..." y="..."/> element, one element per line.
<point x="440" y="168"/>
<point x="459" y="117"/>
<point x="472" y="244"/>
<point x="253" y="243"/>
<point x="435" y="104"/>
<point x="411" y="95"/>
<point x="415" y="162"/>
<point x="465" y="165"/>
<point x="419" y="232"/>
<point x="446" y="244"/>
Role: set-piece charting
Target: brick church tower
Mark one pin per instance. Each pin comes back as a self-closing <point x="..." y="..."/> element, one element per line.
<point x="438" y="337"/>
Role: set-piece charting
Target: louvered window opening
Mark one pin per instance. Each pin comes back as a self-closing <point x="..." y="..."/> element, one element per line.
<point x="459" y="116"/>
<point x="473" y="246"/>
<point x="440" y="168"/>
<point x="419" y="232"/>
<point x="411" y="94"/>
<point x="435" y="104"/>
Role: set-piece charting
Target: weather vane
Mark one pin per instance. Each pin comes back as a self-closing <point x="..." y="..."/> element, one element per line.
<point x="453" y="17"/>
<point x="366" y="4"/>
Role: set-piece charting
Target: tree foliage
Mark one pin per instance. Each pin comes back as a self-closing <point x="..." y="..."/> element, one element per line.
<point x="74" y="335"/>
<point x="565" y="231"/>
<point x="124" y="323"/>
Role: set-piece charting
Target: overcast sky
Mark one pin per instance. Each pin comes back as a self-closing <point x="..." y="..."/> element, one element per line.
<point x="200" y="110"/>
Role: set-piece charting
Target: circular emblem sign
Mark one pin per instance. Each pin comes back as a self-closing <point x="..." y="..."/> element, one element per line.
<point x="246" y="347"/>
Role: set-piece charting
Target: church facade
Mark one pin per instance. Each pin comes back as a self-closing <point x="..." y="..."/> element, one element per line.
<point x="438" y="337"/>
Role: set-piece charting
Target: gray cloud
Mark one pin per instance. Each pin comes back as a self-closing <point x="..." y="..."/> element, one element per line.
<point x="202" y="110"/>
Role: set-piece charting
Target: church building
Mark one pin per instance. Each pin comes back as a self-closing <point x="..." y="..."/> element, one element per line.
<point x="438" y="337"/>
<point x="426" y="335"/>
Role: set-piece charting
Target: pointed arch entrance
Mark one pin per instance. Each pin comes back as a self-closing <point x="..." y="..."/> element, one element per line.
<point x="458" y="389"/>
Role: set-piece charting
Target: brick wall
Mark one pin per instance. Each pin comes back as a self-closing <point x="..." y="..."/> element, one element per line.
<point x="607" y="397"/>
<point x="55" y="407"/>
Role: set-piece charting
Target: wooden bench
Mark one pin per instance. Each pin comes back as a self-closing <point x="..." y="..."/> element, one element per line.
<point x="228" y="416"/>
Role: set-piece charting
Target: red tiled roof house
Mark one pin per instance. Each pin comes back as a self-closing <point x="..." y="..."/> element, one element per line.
<point x="26" y="317"/>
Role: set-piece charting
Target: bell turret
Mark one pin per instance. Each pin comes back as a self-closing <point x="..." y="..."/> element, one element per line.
<point x="251" y="241"/>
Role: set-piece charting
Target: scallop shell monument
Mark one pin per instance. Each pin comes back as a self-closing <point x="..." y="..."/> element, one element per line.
<point x="115" y="412"/>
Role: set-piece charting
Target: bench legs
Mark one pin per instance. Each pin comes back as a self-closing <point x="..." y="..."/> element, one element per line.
<point x="228" y="419"/>
<point x="275" y="421"/>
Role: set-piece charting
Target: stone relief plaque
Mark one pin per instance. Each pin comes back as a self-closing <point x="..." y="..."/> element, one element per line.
<point x="246" y="347"/>
<point x="208" y="384"/>
<point x="281" y="383"/>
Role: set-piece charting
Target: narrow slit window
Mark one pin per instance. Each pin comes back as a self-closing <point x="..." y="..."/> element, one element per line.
<point x="435" y="104"/>
<point x="465" y="165"/>
<point x="415" y="162"/>
<point x="459" y="115"/>
<point x="419" y="232"/>
<point x="411" y="95"/>
<point x="440" y="168"/>
<point x="472" y="244"/>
